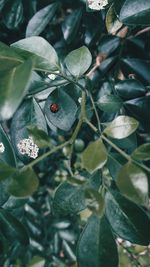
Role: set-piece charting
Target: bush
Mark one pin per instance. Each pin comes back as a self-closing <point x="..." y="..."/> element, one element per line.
<point x="74" y="133"/>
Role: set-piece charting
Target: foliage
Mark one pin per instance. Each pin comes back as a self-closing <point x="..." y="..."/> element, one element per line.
<point x="74" y="133"/>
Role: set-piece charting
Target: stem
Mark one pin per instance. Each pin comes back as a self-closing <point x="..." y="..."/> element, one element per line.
<point x="45" y="155"/>
<point x="116" y="147"/>
<point x="96" y="113"/>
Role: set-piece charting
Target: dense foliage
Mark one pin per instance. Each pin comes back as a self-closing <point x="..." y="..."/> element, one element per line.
<point x="74" y="133"/>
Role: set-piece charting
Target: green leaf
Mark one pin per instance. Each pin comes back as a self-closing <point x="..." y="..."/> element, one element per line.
<point x="127" y="219"/>
<point x="97" y="246"/>
<point x="142" y="152"/>
<point x="78" y="61"/>
<point x="43" y="54"/>
<point x="129" y="89"/>
<point x="133" y="183"/>
<point x="8" y="155"/>
<point x="40" y="20"/>
<point x="138" y="66"/>
<point x="6" y="171"/>
<point x="13" y="14"/>
<point x="23" y="183"/>
<point x="94" y="156"/>
<point x="12" y="229"/>
<point x="67" y="109"/>
<point x="69" y="198"/>
<point x="112" y="22"/>
<point x="110" y="103"/>
<point x="70" y="25"/>
<point x="28" y="114"/>
<point x="37" y="262"/>
<point x="121" y="127"/>
<point x="139" y="107"/>
<point x="14" y="85"/>
<point x="133" y="12"/>
<point x="8" y="58"/>
<point x="39" y="136"/>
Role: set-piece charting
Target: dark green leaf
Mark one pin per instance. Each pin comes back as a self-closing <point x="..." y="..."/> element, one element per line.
<point x="139" y="109"/>
<point x="133" y="183"/>
<point x="67" y="108"/>
<point x="78" y="61"/>
<point x="40" y="20"/>
<point x="8" y="155"/>
<point x="127" y="219"/>
<point x="133" y="12"/>
<point x="138" y="66"/>
<point x="28" y="114"/>
<point x="43" y="54"/>
<point x="14" y="85"/>
<point x="12" y="229"/>
<point x="96" y="246"/>
<point x="94" y="156"/>
<point x="129" y="89"/>
<point x="121" y="127"/>
<point x="110" y="103"/>
<point x="69" y="198"/>
<point x="71" y="24"/>
<point x="13" y="14"/>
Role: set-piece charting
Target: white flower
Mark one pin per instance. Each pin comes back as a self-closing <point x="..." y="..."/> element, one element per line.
<point x="80" y="100"/>
<point x="97" y="4"/>
<point x="2" y="148"/>
<point x="28" y="147"/>
<point x="53" y="76"/>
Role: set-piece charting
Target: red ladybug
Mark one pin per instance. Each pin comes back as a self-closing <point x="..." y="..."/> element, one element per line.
<point x="54" y="107"/>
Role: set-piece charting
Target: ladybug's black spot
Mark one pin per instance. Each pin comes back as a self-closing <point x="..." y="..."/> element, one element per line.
<point x="54" y="107"/>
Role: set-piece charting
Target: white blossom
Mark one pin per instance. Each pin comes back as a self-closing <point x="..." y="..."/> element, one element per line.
<point x="80" y="100"/>
<point x="28" y="147"/>
<point x="97" y="4"/>
<point x="53" y="76"/>
<point x="2" y="148"/>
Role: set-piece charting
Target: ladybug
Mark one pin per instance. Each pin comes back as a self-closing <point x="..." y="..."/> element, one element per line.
<point x="54" y="107"/>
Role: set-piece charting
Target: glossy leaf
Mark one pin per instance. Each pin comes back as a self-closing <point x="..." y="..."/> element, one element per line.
<point x="110" y="103"/>
<point x="127" y="219"/>
<point x="96" y="246"/>
<point x="139" y="108"/>
<point x="121" y="127"/>
<point x="112" y="22"/>
<point x="133" y="12"/>
<point x="138" y="66"/>
<point x="69" y="198"/>
<point x="43" y="54"/>
<point x="78" y="61"/>
<point x="67" y="108"/>
<point x="40" y="20"/>
<point x="28" y="114"/>
<point x="142" y="152"/>
<point x="13" y="14"/>
<point x="12" y="228"/>
<point x="6" y="171"/>
<point x="94" y="156"/>
<point x="71" y="25"/>
<point x="23" y="183"/>
<point x="133" y="183"/>
<point x="130" y="89"/>
<point x="8" y="58"/>
<point x="8" y="155"/>
<point x="14" y="86"/>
